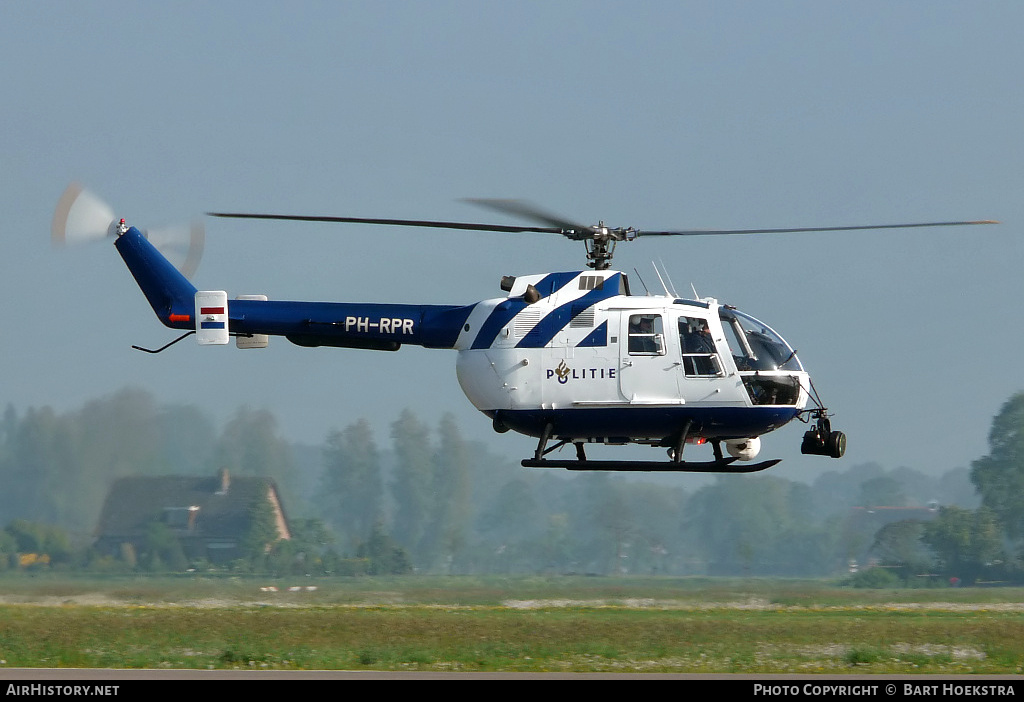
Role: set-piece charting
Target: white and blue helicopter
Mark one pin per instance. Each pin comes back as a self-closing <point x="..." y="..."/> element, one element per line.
<point x="572" y="358"/>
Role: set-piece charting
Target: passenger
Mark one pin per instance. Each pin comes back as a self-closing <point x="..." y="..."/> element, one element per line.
<point x="642" y="337"/>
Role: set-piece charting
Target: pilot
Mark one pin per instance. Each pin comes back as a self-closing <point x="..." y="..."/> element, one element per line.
<point x="697" y="338"/>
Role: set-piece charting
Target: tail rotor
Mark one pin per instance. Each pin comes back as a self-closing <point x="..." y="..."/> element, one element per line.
<point x="82" y="217"/>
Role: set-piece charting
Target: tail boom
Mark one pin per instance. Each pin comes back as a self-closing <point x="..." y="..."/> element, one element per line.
<point x="374" y="326"/>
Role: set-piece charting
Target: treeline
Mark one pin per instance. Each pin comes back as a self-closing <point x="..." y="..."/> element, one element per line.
<point x="422" y="497"/>
<point x="56" y="468"/>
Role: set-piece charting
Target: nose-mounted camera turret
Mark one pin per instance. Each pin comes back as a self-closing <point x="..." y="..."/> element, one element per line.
<point x="820" y="440"/>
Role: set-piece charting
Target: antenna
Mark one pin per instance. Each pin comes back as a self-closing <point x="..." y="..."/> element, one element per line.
<point x="695" y="295"/>
<point x="660" y="279"/>
<point x="638" y="277"/>
<point x="670" y="283"/>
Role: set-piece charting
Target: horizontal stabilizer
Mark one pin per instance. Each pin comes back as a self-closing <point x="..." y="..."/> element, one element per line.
<point x="252" y="341"/>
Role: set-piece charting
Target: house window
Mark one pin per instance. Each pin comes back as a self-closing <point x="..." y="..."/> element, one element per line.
<point x="181" y="517"/>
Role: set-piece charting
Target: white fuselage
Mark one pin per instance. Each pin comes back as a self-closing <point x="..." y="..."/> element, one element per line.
<point x="640" y="360"/>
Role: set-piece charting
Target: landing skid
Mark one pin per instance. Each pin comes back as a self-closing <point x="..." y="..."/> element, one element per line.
<point x="723" y="466"/>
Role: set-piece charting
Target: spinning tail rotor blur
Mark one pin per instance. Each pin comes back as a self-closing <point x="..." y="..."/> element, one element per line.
<point x="82" y="217"/>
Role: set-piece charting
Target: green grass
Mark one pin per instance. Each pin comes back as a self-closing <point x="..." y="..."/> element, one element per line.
<point x="509" y="624"/>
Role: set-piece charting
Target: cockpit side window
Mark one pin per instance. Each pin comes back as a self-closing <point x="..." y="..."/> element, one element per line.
<point x="700" y="357"/>
<point x="646" y="335"/>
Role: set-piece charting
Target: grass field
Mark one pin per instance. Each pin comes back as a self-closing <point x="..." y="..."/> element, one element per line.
<point x="577" y="624"/>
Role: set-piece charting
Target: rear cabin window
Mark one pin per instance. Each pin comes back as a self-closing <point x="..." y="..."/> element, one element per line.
<point x="646" y="335"/>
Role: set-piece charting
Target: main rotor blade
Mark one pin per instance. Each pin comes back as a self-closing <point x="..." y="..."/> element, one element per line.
<point x="391" y="222"/>
<point x="527" y="210"/>
<point x="699" y="232"/>
<point x="560" y="225"/>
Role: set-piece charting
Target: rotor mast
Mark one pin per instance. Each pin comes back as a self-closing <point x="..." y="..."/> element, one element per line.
<point x="600" y="243"/>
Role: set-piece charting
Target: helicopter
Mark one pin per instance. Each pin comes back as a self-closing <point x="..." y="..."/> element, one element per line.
<point x="575" y="358"/>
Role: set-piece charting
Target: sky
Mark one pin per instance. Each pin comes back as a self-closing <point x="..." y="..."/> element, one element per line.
<point x="657" y="115"/>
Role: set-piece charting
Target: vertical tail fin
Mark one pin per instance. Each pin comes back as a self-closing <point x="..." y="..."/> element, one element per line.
<point x="170" y="293"/>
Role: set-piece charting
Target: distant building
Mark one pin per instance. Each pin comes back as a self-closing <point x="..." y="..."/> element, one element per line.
<point x="209" y="516"/>
<point x="874" y="518"/>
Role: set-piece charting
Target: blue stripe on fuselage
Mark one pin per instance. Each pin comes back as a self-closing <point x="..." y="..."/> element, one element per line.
<point x="501" y="315"/>
<point x="598" y="337"/>
<point x="554" y="322"/>
<point x="505" y="312"/>
<point x="647" y="422"/>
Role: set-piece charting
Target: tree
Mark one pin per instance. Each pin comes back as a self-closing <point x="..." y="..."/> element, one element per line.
<point x="39" y="458"/>
<point x="35" y="537"/>
<point x="386" y="557"/>
<point x="262" y="532"/>
<point x="351" y="488"/>
<point x="613" y="520"/>
<point x="999" y="476"/>
<point x="758" y="525"/>
<point x="899" y="546"/>
<point x="452" y="488"/>
<point x="8" y="551"/>
<point x="656" y="541"/>
<point x="187" y="437"/>
<point x="966" y="542"/>
<point x="310" y="543"/>
<point x="511" y="515"/>
<point x="412" y="486"/>
<point x="56" y="468"/>
<point x="882" y="491"/>
<point x="161" y="549"/>
<point x="251" y="445"/>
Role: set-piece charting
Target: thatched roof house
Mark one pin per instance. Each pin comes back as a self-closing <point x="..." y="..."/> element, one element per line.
<point x="209" y="516"/>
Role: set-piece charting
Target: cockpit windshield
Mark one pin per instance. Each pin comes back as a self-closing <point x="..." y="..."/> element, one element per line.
<point x="755" y="346"/>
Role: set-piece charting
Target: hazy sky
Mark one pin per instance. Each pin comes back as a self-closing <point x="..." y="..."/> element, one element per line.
<point x="657" y="115"/>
